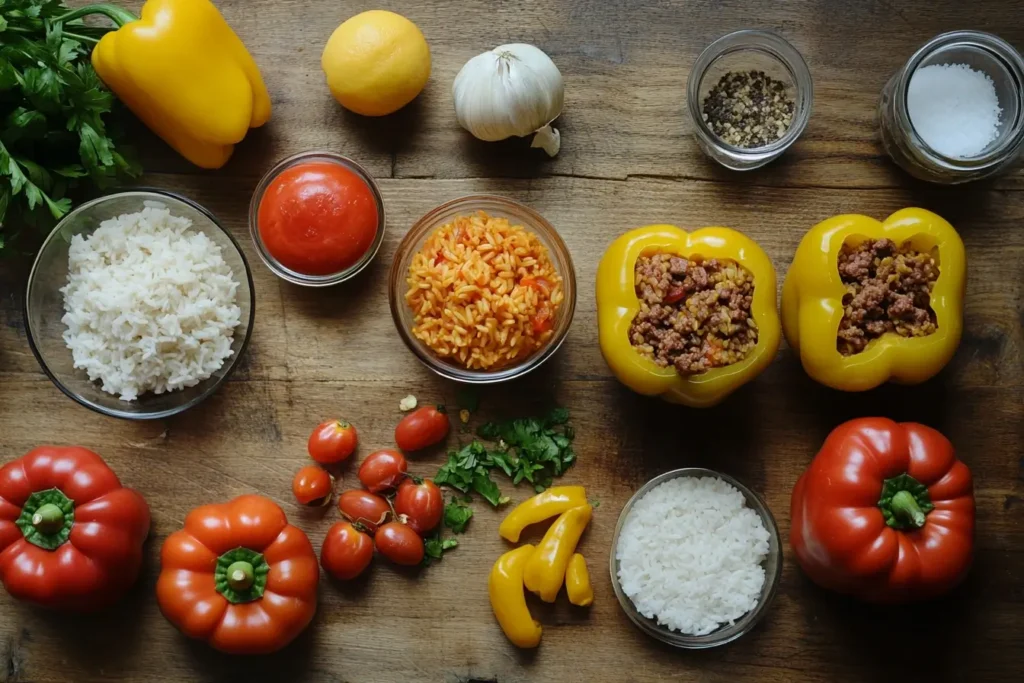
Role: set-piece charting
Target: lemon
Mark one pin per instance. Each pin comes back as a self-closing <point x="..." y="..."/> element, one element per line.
<point x="376" y="63"/>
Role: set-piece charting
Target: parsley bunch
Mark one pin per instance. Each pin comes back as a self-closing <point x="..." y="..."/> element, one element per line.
<point x="534" y="449"/>
<point x="53" y="131"/>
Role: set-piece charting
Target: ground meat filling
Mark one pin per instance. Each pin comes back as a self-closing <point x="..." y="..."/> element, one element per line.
<point x="694" y="315"/>
<point x="888" y="289"/>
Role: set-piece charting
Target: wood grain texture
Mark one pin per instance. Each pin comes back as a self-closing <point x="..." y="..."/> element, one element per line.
<point x="627" y="160"/>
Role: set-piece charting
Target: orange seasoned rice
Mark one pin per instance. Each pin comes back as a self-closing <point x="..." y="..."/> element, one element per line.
<point x="483" y="292"/>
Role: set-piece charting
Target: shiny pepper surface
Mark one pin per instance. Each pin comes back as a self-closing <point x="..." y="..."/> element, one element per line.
<point x="617" y="305"/>
<point x="884" y="512"/>
<point x="545" y="505"/>
<point x="70" y="536"/>
<point x="812" y="302"/>
<point x="184" y="72"/>
<point x="545" y="570"/>
<point x="239" y="577"/>
<point x="508" y="599"/>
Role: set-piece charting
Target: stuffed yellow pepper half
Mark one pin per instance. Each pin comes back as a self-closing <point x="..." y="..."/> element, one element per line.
<point x="689" y="317"/>
<point x="866" y="302"/>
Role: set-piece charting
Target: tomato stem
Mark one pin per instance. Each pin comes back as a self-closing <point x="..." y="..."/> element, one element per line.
<point x="905" y="502"/>
<point x="241" y="576"/>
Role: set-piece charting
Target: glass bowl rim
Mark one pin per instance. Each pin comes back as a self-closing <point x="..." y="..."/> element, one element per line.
<point x="293" y="276"/>
<point x="794" y="63"/>
<point x="396" y="299"/>
<point x="745" y="623"/>
<point x="156" y="194"/>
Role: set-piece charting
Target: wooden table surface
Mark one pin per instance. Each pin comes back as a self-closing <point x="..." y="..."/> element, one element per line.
<point x="628" y="158"/>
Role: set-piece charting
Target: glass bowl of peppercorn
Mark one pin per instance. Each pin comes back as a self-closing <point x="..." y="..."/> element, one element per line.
<point x="749" y="95"/>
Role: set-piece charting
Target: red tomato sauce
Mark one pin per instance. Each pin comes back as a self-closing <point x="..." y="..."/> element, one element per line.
<point x="318" y="218"/>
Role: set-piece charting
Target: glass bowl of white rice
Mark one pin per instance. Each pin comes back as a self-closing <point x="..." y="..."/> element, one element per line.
<point x="139" y="304"/>
<point x="695" y="558"/>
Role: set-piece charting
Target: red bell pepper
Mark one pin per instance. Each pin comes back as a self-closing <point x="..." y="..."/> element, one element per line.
<point x="70" y="536"/>
<point x="885" y="513"/>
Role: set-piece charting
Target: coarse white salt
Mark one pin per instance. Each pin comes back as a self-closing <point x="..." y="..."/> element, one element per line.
<point x="954" y="109"/>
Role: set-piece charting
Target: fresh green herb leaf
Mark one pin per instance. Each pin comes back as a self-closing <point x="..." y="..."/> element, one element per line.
<point x="435" y="546"/>
<point x="457" y="516"/>
<point x="485" y="486"/>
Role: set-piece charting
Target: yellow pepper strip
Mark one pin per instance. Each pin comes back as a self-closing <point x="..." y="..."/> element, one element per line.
<point x="812" y="302"/>
<point x="184" y="72"/>
<point x="577" y="582"/>
<point x="617" y="305"/>
<point x="508" y="599"/>
<point x="545" y="570"/>
<point x="545" y="505"/>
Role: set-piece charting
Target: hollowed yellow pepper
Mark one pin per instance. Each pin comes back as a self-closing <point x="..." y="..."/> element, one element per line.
<point x="812" y="302"/>
<point x="186" y="75"/>
<point x="577" y="582"/>
<point x="545" y="569"/>
<point x="508" y="599"/>
<point x="617" y="305"/>
<point x="545" y="505"/>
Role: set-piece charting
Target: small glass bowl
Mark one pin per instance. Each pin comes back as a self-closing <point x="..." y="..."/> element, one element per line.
<point x="517" y="214"/>
<point x="294" y="276"/>
<point x="749" y="50"/>
<point x="44" y="306"/>
<point x="725" y="634"/>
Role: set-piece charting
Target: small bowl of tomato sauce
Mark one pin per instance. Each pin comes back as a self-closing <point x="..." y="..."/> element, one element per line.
<point x="317" y="219"/>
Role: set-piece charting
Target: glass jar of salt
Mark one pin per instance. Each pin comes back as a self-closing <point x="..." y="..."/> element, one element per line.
<point x="954" y="112"/>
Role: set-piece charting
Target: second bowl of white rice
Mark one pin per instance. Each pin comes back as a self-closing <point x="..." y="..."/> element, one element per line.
<point x="139" y="304"/>
<point x="695" y="558"/>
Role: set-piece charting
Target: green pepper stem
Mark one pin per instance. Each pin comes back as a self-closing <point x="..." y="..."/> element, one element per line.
<point x="241" y="575"/>
<point x="48" y="519"/>
<point x="906" y="509"/>
<point x="118" y="15"/>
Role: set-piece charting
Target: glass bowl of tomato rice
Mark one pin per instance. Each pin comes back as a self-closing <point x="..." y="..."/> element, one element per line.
<point x="317" y="219"/>
<point x="482" y="289"/>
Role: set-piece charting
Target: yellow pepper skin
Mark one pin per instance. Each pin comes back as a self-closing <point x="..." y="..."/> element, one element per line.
<point x="187" y="76"/>
<point x="545" y="505"/>
<point x="508" y="599"/>
<point x="812" y="302"/>
<point x="545" y="570"/>
<point x="617" y="305"/>
<point x="577" y="582"/>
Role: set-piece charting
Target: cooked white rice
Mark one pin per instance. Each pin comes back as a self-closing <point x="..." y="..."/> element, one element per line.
<point x="150" y="304"/>
<point x="690" y="554"/>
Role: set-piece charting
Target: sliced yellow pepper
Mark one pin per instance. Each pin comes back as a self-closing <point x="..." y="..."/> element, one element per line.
<point x="617" y="305"/>
<point x="545" y="570"/>
<point x="577" y="582"/>
<point x="545" y="505"/>
<point x="812" y="302"/>
<point x="186" y="75"/>
<point x="508" y="599"/>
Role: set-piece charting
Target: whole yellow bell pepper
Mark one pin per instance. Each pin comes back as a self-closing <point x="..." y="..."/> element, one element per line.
<point x="617" y="305"/>
<point x="812" y="302"/>
<point x="577" y="582"/>
<point x="545" y="505"/>
<point x="186" y="75"/>
<point x="508" y="600"/>
<point x="545" y="570"/>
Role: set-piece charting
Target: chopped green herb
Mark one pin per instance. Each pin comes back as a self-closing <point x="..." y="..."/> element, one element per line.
<point x="435" y="546"/>
<point x="457" y="516"/>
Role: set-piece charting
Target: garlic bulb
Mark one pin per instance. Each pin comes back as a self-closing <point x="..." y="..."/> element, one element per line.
<point x="512" y="90"/>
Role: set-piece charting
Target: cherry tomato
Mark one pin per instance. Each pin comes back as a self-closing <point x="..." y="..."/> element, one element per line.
<point x="332" y="441"/>
<point x="399" y="543"/>
<point x="318" y="218"/>
<point x="421" y="428"/>
<point x="346" y="552"/>
<point x="364" y="507"/>
<point x="313" y="486"/>
<point x="422" y="504"/>
<point x="382" y="470"/>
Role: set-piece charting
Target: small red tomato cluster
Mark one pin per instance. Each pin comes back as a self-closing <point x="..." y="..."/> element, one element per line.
<point x="393" y="511"/>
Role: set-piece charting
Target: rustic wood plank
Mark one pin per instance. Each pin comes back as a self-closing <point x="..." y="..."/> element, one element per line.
<point x="628" y="159"/>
